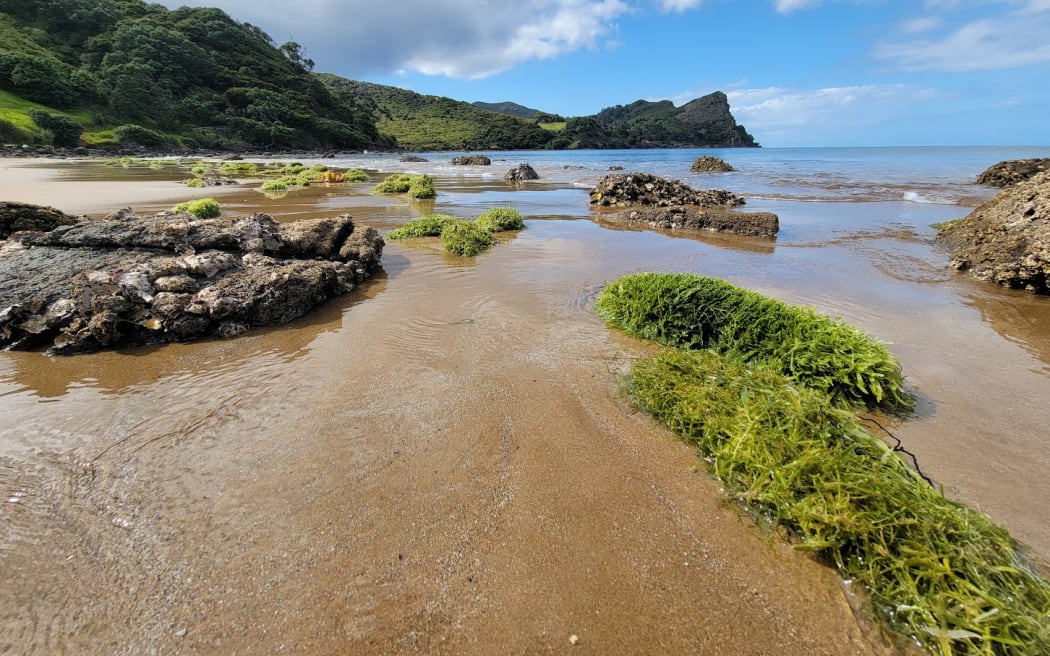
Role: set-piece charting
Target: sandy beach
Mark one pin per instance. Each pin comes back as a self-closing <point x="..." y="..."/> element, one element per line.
<point x="440" y="463"/>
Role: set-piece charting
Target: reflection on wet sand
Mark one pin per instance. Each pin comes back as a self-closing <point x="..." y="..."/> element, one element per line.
<point x="1020" y="317"/>
<point x="721" y="240"/>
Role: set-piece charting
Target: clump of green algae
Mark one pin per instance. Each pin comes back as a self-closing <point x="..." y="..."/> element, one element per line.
<point x="934" y="570"/>
<point x="459" y="236"/>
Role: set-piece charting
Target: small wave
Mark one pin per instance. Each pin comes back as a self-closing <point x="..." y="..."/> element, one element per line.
<point x="916" y="197"/>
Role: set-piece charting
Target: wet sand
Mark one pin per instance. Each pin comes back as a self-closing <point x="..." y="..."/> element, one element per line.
<point x="442" y="462"/>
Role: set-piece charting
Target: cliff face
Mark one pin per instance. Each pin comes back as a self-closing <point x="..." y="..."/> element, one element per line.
<point x="702" y="123"/>
<point x="713" y="122"/>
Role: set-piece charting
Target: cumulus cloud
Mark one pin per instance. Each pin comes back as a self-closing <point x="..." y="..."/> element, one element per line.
<point x="1007" y="40"/>
<point x="679" y="5"/>
<point x="824" y="115"/>
<point x="458" y="38"/>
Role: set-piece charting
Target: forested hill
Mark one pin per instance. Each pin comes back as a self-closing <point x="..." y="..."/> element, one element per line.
<point x="127" y="71"/>
<point x="118" y="73"/>
<point x="420" y="122"/>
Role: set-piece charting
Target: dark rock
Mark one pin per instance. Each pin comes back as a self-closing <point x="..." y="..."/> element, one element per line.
<point x="1006" y="239"/>
<point x="16" y="217"/>
<point x="413" y="158"/>
<point x="633" y="189"/>
<point x="521" y="172"/>
<point x="716" y="219"/>
<point x="128" y="280"/>
<point x="641" y="198"/>
<point x="472" y="160"/>
<point x="615" y="167"/>
<point x="1013" y="171"/>
<point x="709" y="164"/>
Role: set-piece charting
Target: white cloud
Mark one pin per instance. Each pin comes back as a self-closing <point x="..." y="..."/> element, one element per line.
<point x="920" y="25"/>
<point x="825" y="115"/>
<point x="787" y="6"/>
<point x="458" y="38"/>
<point x="1008" y="40"/>
<point x="679" y="5"/>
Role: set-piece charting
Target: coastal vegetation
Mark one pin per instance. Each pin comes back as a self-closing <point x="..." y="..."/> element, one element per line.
<point x="781" y="436"/>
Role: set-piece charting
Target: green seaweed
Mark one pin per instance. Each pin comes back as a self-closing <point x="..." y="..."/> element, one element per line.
<point x="356" y="175"/>
<point x="397" y="183"/>
<point x="466" y="238"/>
<point x="698" y="312"/>
<point x="500" y="219"/>
<point x="422" y="187"/>
<point x="202" y="208"/>
<point x="427" y="226"/>
<point x="934" y="570"/>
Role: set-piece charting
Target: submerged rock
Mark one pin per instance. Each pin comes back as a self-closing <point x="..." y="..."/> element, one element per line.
<point x="709" y="164"/>
<point x="472" y="160"/>
<point x="521" y="172"/>
<point x="128" y="280"/>
<point x="652" y="201"/>
<point x="1013" y="171"/>
<point x="1006" y="239"/>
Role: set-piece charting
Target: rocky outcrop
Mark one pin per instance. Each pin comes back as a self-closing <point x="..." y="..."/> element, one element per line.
<point x="709" y="164"/>
<point x="472" y="160"/>
<point x="648" y="200"/>
<point x="15" y="217"/>
<point x="412" y="158"/>
<point x="630" y="189"/>
<point x="129" y="280"/>
<point x="521" y="172"/>
<point x="1013" y="171"/>
<point x="1006" y="239"/>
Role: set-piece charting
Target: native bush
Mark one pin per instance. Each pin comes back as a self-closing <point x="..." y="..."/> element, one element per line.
<point x="202" y="208"/>
<point x="11" y="133"/>
<point x="697" y="312"/>
<point x="500" y="219"/>
<point x="136" y="134"/>
<point x="65" y="132"/>
<point x="465" y="238"/>
<point x="934" y="570"/>
<point x="427" y="226"/>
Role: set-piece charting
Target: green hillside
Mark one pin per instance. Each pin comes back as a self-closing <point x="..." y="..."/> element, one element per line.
<point x="188" y="77"/>
<point x="421" y="122"/>
<point x="508" y="108"/>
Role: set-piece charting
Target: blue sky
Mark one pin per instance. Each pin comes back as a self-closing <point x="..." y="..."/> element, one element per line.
<point x="797" y="72"/>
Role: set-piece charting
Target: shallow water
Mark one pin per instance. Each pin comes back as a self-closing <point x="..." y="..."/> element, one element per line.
<point x="424" y="464"/>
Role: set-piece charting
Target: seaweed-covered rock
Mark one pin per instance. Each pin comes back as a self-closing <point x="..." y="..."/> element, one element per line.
<point x="128" y="280"/>
<point x="1013" y="171"/>
<point x="472" y="160"/>
<point x="709" y="164"/>
<point x="17" y="217"/>
<point x="412" y="158"/>
<point x="1007" y="238"/>
<point x="634" y="189"/>
<point x="521" y="172"/>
